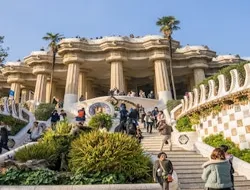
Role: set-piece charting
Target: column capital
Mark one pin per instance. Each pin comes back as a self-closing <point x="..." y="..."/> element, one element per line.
<point x="15" y="78"/>
<point x="90" y="78"/>
<point x="198" y="64"/>
<point x="158" y="55"/>
<point x="116" y="56"/>
<point x="73" y="57"/>
<point x="83" y="70"/>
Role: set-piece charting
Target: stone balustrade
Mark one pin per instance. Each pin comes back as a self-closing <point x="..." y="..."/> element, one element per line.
<point x="204" y="95"/>
<point x="10" y="108"/>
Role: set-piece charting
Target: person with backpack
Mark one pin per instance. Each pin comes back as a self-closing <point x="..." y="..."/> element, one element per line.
<point x="165" y="130"/>
<point x="123" y="114"/>
<point x="4" y="139"/>
<point x="155" y="112"/>
<point x="163" y="170"/>
<point x="229" y="157"/>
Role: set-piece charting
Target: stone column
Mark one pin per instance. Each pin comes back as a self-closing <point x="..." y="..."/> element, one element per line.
<point x="89" y="88"/>
<point x="82" y="84"/>
<point x="162" y="80"/>
<point x="24" y="95"/>
<point x="116" y="60"/>
<point x="155" y="88"/>
<point x="48" y="84"/>
<point x="191" y="83"/>
<point x="116" y="77"/>
<point x="199" y="75"/>
<point x="16" y="87"/>
<point x="40" y="89"/>
<point x="71" y="89"/>
<point x="198" y="66"/>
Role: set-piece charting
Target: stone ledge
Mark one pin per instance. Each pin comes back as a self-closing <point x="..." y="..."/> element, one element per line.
<point x="143" y="186"/>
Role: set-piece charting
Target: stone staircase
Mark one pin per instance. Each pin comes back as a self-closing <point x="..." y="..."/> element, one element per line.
<point x="187" y="164"/>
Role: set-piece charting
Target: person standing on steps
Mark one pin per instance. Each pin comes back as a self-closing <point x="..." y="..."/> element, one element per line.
<point x="165" y="130"/>
<point x="217" y="172"/>
<point x="54" y="119"/>
<point x="149" y="121"/>
<point x="229" y="157"/>
<point x="162" y="171"/>
<point x="155" y="113"/>
<point x="4" y="138"/>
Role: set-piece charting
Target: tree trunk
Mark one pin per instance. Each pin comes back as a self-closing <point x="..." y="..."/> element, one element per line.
<point x="171" y="66"/>
<point x="52" y="75"/>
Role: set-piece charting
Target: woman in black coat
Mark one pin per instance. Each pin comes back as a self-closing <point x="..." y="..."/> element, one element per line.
<point x="4" y="139"/>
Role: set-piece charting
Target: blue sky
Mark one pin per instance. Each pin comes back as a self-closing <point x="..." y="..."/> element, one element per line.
<point x="223" y="25"/>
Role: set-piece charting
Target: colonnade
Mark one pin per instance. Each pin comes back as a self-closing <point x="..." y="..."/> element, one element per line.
<point x="79" y="83"/>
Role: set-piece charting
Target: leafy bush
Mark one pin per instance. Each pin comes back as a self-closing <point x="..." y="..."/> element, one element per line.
<point x="50" y="147"/>
<point x="110" y="153"/>
<point x="15" y="124"/>
<point x="38" y="151"/>
<point x="218" y="140"/>
<point x="49" y="177"/>
<point x="29" y="177"/>
<point x="184" y="124"/>
<point x="101" y="119"/>
<point x="171" y="104"/>
<point x="43" y="111"/>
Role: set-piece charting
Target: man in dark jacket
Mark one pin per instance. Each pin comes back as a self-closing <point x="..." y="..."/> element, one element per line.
<point x="4" y="139"/>
<point x="54" y="119"/>
<point x="166" y="131"/>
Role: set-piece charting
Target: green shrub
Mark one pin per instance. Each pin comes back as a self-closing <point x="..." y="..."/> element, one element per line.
<point x="37" y="151"/>
<point x="110" y="153"/>
<point x="97" y="178"/>
<point x="30" y="177"/>
<point x="184" y="124"/>
<point x="218" y="140"/>
<point x="171" y="104"/>
<point x="43" y="111"/>
<point x="15" y="124"/>
<point x="50" y="177"/>
<point x="99" y="119"/>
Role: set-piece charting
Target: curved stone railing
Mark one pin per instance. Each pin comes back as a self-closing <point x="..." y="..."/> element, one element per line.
<point x="200" y="96"/>
<point x="18" y="112"/>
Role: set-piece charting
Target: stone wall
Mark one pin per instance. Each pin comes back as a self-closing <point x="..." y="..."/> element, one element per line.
<point x="231" y="95"/>
<point x="234" y="123"/>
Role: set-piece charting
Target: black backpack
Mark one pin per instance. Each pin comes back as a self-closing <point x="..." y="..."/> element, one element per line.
<point x="131" y="129"/>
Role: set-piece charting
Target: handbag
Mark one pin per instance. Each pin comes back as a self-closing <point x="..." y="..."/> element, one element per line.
<point x="165" y="175"/>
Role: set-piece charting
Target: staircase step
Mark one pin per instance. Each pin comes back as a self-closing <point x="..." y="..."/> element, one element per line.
<point x="189" y="171"/>
<point x="242" y="184"/>
<point x="192" y="163"/>
<point x="180" y="152"/>
<point x="199" y="180"/>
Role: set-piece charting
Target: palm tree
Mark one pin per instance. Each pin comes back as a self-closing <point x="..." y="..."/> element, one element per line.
<point x="169" y="24"/>
<point x="53" y="45"/>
